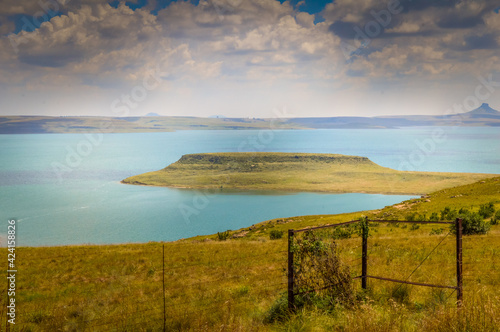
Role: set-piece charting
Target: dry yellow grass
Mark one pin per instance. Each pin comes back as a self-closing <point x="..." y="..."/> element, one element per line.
<point x="231" y="285"/>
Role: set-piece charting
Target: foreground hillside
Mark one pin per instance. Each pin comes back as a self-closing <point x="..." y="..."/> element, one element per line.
<point x="297" y="172"/>
<point x="237" y="284"/>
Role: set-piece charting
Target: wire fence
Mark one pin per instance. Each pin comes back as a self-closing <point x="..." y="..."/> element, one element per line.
<point x="143" y="289"/>
<point x="308" y="273"/>
<point x="156" y="287"/>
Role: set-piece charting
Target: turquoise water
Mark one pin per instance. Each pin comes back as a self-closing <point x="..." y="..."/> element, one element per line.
<point x="64" y="188"/>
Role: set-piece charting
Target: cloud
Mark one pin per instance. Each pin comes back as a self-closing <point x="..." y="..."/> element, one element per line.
<point x="422" y="39"/>
<point x="252" y="48"/>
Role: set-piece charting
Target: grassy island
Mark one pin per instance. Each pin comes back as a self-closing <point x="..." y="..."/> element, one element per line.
<point x="297" y="172"/>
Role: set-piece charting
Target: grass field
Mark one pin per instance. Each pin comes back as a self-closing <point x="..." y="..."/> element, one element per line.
<point x="232" y="285"/>
<point x="297" y="172"/>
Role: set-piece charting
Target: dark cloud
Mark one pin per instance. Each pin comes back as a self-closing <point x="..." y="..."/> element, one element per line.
<point x="343" y="29"/>
<point x="484" y="42"/>
<point x="51" y="59"/>
<point x="454" y="22"/>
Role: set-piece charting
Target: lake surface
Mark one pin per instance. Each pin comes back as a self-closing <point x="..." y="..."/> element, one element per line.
<point x="65" y="189"/>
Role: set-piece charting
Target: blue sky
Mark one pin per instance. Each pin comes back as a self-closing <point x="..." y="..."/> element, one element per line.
<point x="245" y="58"/>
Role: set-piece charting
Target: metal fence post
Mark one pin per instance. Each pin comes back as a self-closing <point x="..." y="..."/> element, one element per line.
<point x="291" y="300"/>
<point x="364" y="256"/>
<point x="458" y="224"/>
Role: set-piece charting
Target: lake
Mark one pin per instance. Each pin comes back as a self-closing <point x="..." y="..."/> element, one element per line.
<point x="65" y="189"/>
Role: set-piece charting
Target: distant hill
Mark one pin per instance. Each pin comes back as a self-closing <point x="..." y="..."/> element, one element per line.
<point x="482" y="116"/>
<point x="483" y="112"/>
<point x="94" y="124"/>
<point x="152" y="122"/>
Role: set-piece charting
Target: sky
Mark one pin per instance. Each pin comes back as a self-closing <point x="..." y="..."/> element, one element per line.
<point x="242" y="58"/>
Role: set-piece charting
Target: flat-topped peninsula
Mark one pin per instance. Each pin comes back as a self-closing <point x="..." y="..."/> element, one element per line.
<point x="297" y="172"/>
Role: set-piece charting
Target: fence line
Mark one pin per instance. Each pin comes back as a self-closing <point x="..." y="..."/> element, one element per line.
<point x="364" y="258"/>
<point x="158" y="308"/>
<point x="162" y="300"/>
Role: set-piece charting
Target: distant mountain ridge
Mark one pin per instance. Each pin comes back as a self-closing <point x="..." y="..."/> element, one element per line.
<point x="484" y="111"/>
<point x="483" y="116"/>
<point x="485" y="108"/>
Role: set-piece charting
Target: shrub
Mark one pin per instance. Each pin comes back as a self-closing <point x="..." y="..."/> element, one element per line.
<point x="472" y="223"/>
<point x="434" y="217"/>
<point x="363" y="226"/>
<point x="449" y="214"/>
<point x="422" y="217"/>
<point x="278" y="311"/>
<point x="414" y="227"/>
<point x="496" y="218"/>
<point x="437" y="231"/>
<point x="275" y="234"/>
<point x="222" y="236"/>
<point x="486" y="210"/>
<point x="317" y="265"/>
<point x="411" y="217"/>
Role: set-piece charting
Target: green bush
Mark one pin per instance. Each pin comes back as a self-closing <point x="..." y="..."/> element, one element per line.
<point x="449" y="214"/>
<point x="275" y="234"/>
<point x="472" y="223"/>
<point x="486" y="210"/>
<point x="434" y="217"/>
<point x="278" y="311"/>
<point x="317" y="266"/>
<point x="223" y="236"/>
<point x="422" y="217"/>
<point x="414" y="227"/>
<point x="411" y="217"/>
<point x="496" y="218"/>
<point x="437" y="231"/>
